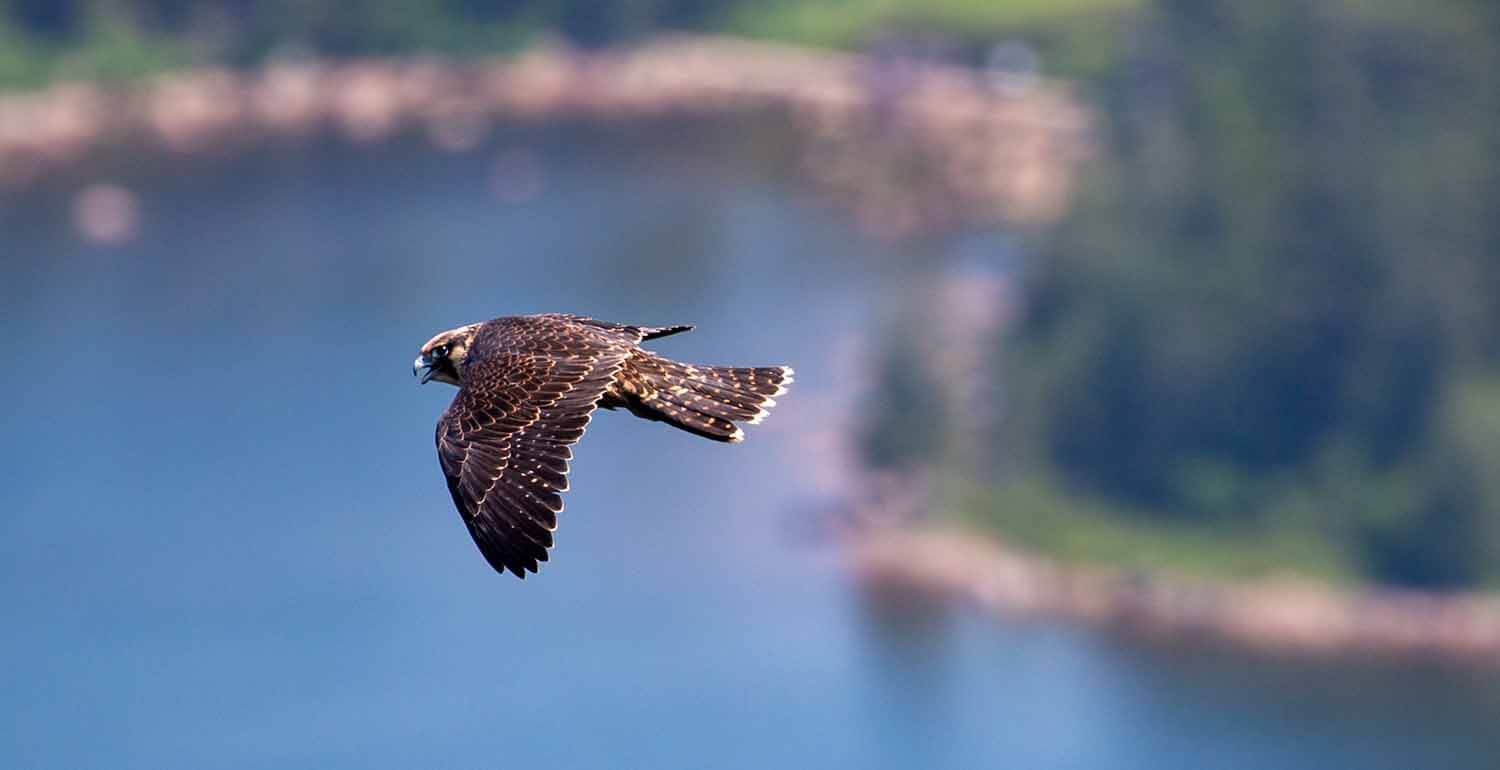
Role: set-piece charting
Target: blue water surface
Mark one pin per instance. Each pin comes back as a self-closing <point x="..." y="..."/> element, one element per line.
<point x="224" y="540"/>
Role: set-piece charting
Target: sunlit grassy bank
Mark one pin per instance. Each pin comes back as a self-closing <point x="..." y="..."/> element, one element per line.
<point x="1072" y="36"/>
<point x="1040" y="516"/>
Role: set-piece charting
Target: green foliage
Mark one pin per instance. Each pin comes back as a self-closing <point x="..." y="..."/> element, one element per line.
<point x="840" y="22"/>
<point x="40" y="43"/>
<point x="44" y="39"/>
<point x="908" y="433"/>
<point x="1074" y="36"/>
<point x="114" y="48"/>
<point x="1042" y="515"/>
<point x="20" y="63"/>
<point x="1279" y="299"/>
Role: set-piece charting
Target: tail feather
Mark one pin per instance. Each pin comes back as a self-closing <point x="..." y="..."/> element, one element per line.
<point x="763" y="381"/>
<point x="744" y="405"/>
<point x="704" y="400"/>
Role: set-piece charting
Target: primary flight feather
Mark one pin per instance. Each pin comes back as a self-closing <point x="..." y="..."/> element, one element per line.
<point x="527" y="387"/>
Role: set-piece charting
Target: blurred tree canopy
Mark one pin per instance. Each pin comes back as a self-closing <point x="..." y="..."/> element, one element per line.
<point x="41" y="39"/>
<point x="45" y="39"/>
<point x="1279" y="303"/>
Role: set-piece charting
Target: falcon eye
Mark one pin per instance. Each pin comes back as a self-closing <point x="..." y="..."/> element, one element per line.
<point x="441" y="351"/>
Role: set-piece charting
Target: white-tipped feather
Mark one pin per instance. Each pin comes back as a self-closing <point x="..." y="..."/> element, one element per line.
<point x="768" y="402"/>
<point x="787" y="378"/>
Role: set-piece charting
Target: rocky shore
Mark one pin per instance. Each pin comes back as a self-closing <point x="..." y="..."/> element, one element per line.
<point x="1279" y="617"/>
<point x="907" y="147"/>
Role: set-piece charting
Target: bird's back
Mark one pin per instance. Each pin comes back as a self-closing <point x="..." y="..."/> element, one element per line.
<point x="529" y="387"/>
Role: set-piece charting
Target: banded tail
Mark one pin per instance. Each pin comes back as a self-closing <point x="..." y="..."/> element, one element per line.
<point x="704" y="400"/>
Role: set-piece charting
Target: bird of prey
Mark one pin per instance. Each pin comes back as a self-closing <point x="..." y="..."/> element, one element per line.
<point x="527" y="387"/>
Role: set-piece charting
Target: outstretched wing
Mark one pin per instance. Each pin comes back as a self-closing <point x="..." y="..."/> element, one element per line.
<point x="530" y="386"/>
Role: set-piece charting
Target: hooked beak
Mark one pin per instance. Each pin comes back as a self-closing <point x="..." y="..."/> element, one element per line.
<point x="422" y="369"/>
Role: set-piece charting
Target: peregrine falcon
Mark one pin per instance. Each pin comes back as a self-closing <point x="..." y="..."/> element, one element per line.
<point x="527" y="387"/>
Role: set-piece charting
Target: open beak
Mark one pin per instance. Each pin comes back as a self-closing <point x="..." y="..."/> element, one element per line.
<point x="422" y="369"/>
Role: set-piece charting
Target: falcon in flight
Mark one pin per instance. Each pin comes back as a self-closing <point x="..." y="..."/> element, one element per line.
<point x="527" y="387"/>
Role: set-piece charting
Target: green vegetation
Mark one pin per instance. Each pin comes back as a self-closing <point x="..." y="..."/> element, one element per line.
<point x="1277" y="309"/>
<point x="105" y="48"/>
<point x="1267" y="336"/>
<point x="41" y="40"/>
<point x="1044" y="517"/>
<point x="1073" y="36"/>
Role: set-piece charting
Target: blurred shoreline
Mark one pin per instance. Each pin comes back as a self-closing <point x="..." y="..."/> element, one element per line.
<point x="907" y="146"/>
<point x="895" y="529"/>
<point x="1280" y="617"/>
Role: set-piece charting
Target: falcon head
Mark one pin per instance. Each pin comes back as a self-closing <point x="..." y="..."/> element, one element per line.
<point x="443" y="356"/>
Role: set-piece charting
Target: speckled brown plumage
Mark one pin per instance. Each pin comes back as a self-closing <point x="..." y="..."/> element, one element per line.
<point x="528" y="386"/>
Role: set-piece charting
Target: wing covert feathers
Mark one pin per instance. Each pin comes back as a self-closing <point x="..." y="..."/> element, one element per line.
<point x="530" y="388"/>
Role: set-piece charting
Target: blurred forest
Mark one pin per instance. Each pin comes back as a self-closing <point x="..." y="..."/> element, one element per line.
<point x="41" y="40"/>
<point x="1276" y="310"/>
<point x="1270" y="319"/>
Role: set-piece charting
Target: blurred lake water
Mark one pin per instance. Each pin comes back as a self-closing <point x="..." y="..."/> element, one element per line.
<point x="225" y="542"/>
